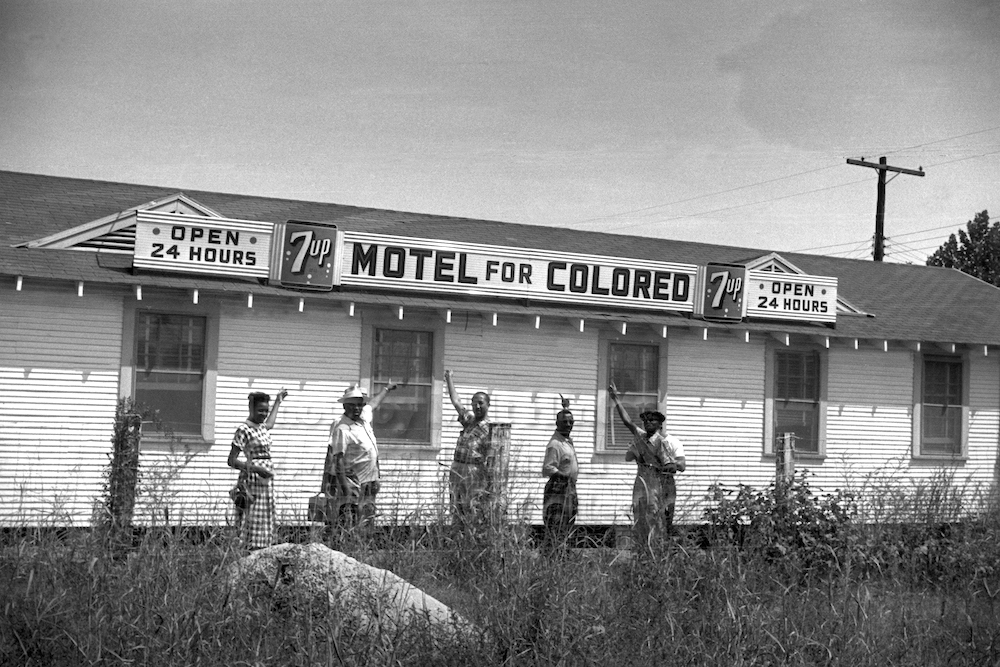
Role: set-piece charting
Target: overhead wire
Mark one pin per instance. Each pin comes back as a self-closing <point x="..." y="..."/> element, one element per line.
<point x="938" y="141"/>
<point x="705" y="196"/>
<point x="991" y="219"/>
<point x="737" y="206"/>
<point x="774" y="180"/>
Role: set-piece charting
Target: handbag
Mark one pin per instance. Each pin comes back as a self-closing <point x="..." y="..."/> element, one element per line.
<point x="321" y="506"/>
<point x="241" y="494"/>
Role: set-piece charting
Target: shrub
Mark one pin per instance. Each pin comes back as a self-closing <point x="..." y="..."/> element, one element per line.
<point x="786" y="521"/>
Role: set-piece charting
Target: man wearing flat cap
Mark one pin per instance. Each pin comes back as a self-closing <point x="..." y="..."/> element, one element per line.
<point x="658" y="457"/>
<point x="351" y="474"/>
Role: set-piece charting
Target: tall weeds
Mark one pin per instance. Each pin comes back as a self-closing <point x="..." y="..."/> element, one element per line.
<point x="847" y="591"/>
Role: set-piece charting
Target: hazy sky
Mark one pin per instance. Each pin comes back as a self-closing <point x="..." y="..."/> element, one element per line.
<point x="723" y="122"/>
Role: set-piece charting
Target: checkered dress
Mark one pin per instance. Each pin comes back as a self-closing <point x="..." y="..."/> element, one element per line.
<point x="257" y="521"/>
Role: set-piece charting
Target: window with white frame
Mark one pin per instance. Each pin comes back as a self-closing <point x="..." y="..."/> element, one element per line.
<point x="795" y="399"/>
<point x="170" y="368"/>
<point x="635" y="371"/>
<point x="942" y="407"/>
<point x="405" y="357"/>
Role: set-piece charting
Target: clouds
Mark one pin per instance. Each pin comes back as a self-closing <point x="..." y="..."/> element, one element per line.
<point x="695" y="120"/>
<point x="847" y="77"/>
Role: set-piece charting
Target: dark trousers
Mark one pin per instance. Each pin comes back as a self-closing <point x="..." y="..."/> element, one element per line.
<point x="559" y="508"/>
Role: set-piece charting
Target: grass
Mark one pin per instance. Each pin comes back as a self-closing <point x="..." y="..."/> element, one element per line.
<point x="881" y="593"/>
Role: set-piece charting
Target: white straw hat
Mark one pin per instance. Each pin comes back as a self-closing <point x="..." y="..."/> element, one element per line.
<point x="353" y="395"/>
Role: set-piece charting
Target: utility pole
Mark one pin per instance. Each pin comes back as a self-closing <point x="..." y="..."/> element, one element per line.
<point x="878" y="251"/>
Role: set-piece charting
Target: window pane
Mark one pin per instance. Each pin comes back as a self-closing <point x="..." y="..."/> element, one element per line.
<point x="942" y="382"/>
<point x="800" y="419"/>
<point x="169" y="368"/>
<point x="797" y="375"/>
<point x="635" y="370"/>
<point x="404" y="416"/>
<point x="406" y="358"/>
<point x="403" y="356"/>
<point x="796" y="398"/>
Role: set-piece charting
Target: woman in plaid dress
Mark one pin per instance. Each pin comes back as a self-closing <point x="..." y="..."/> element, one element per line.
<point x="253" y="438"/>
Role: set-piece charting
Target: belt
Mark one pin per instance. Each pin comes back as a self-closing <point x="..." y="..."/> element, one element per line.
<point x="466" y="460"/>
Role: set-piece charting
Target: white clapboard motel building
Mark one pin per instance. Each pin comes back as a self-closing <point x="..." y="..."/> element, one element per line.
<point x="187" y="301"/>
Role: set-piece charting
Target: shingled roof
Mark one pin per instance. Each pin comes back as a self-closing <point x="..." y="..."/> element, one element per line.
<point x="900" y="302"/>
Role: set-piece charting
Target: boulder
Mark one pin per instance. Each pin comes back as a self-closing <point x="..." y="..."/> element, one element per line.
<point x="342" y="589"/>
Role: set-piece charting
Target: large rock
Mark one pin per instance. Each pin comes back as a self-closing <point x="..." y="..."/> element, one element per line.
<point x="369" y="599"/>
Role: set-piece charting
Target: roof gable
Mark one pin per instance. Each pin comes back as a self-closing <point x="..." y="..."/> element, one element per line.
<point x="116" y="232"/>
<point x="901" y="302"/>
<point x="778" y="264"/>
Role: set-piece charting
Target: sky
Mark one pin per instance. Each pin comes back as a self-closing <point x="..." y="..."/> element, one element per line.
<point x="725" y="122"/>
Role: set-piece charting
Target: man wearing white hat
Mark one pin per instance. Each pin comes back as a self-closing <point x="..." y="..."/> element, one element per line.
<point x="351" y="474"/>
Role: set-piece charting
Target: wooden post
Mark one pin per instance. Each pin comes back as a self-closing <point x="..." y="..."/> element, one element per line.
<point x="784" y="460"/>
<point x="497" y="471"/>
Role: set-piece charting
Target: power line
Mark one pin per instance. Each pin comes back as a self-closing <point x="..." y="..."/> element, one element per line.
<point x="938" y="141"/>
<point x="784" y="178"/>
<point x="914" y="251"/>
<point x="962" y="159"/>
<point x="896" y="238"/>
<point x="773" y="199"/>
<point x="710" y="194"/>
<point x="731" y="208"/>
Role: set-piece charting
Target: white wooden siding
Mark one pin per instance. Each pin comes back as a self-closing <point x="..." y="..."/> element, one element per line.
<point x="715" y="405"/>
<point x="984" y="420"/>
<point x="313" y="354"/>
<point x="60" y="361"/>
<point x="59" y="367"/>
<point x="524" y="370"/>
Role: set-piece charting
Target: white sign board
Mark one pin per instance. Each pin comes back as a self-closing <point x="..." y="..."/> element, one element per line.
<point x="192" y="244"/>
<point x="791" y="296"/>
<point x="396" y="262"/>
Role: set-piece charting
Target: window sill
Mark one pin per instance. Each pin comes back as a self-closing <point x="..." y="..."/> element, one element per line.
<point x="610" y="456"/>
<point x="940" y="458"/>
<point x="160" y="442"/>
<point x="799" y="456"/>
<point x="392" y="452"/>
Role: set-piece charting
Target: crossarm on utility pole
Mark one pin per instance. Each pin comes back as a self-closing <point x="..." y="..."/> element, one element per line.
<point x="878" y="252"/>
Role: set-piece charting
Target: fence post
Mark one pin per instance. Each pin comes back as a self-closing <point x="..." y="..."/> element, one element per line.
<point x="497" y="471"/>
<point x="784" y="459"/>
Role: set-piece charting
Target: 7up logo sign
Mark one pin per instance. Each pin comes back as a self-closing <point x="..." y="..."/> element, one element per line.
<point x="307" y="255"/>
<point x="723" y="294"/>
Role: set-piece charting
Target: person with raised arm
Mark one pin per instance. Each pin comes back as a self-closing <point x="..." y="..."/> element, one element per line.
<point x="471" y="467"/>
<point x="351" y="471"/>
<point x="256" y="521"/>
<point x="658" y="457"/>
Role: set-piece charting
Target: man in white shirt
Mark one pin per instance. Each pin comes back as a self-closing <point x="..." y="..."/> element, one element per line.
<point x="351" y="472"/>
<point x="560" y="503"/>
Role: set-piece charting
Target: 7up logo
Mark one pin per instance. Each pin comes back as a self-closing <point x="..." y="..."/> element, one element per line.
<point x="308" y="254"/>
<point x="309" y="246"/>
<point x="723" y="298"/>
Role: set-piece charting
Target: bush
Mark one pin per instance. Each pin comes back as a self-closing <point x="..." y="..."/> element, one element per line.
<point x="786" y="521"/>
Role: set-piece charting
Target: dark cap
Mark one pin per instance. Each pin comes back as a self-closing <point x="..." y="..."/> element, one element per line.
<point x="652" y="414"/>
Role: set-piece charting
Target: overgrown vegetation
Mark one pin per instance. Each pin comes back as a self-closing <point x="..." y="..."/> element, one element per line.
<point x="777" y="576"/>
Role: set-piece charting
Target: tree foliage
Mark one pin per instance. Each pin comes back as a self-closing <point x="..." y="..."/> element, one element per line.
<point x="976" y="250"/>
